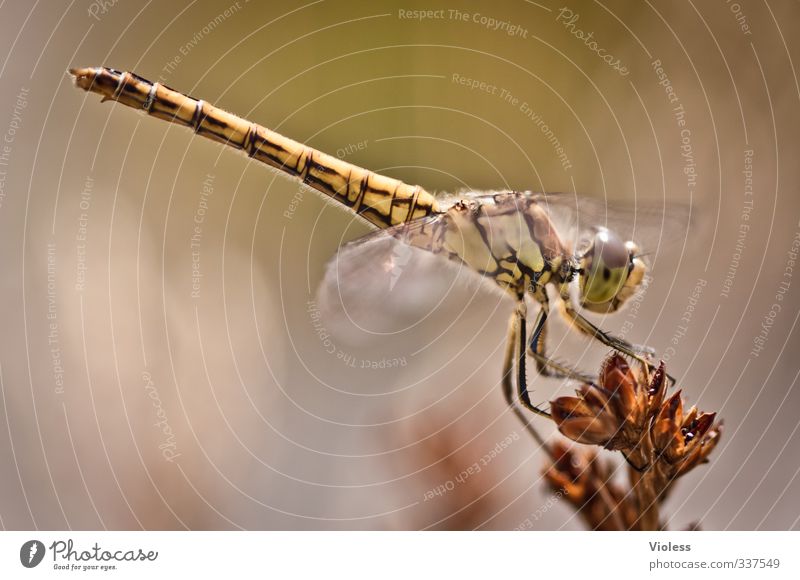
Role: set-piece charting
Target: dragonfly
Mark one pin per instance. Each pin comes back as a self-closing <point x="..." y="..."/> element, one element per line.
<point x="510" y="238"/>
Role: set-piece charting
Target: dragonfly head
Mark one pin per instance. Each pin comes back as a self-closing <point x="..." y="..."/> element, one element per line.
<point x="609" y="271"/>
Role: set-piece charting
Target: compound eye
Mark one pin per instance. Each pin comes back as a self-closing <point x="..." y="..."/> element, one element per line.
<point x="606" y="265"/>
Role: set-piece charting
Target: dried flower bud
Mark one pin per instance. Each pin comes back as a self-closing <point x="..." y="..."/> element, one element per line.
<point x="611" y="414"/>
<point x="582" y="418"/>
<point x="656" y="389"/>
<point x="701" y="446"/>
<point x="659" y="440"/>
<point x="667" y="436"/>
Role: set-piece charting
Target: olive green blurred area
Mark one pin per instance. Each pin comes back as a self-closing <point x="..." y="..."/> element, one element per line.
<point x="164" y="361"/>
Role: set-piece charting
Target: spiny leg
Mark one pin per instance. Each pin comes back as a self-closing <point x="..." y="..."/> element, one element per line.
<point x="609" y="340"/>
<point x="508" y="374"/>
<point x="545" y="365"/>
<point x="536" y="349"/>
<point x="522" y="375"/>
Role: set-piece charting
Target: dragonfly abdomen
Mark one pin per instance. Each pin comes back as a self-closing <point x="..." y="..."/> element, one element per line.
<point x="383" y="201"/>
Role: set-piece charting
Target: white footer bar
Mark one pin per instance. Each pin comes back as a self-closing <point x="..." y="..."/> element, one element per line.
<point x="406" y="555"/>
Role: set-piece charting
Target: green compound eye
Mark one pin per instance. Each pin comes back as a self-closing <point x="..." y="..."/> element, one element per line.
<point x="605" y="264"/>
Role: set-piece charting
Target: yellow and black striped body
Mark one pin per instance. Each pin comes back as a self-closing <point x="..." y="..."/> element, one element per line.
<point x="381" y="200"/>
<point x="507" y="237"/>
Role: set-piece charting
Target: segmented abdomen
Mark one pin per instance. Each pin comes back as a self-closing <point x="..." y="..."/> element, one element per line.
<point x="381" y="200"/>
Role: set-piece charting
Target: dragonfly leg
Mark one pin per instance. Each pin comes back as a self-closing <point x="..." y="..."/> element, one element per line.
<point x="609" y="340"/>
<point x="522" y="375"/>
<point x="545" y="365"/>
<point x="508" y="378"/>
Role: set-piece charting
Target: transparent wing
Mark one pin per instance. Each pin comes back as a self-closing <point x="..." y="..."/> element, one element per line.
<point x="651" y="224"/>
<point x="386" y="284"/>
<point x="392" y="280"/>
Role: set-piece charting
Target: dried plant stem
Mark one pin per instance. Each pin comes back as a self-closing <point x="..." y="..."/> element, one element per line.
<point x="643" y="484"/>
<point x="630" y="414"/>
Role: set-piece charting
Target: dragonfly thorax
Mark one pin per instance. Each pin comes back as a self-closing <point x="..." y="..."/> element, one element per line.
<point x="508" y="237"/>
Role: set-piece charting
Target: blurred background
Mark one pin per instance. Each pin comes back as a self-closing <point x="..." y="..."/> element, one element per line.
<point x="164" y="362"/>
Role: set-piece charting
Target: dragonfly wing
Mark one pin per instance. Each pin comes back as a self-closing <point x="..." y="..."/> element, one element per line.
<point x="651" y="224"/>
<point x="381" y="284"/>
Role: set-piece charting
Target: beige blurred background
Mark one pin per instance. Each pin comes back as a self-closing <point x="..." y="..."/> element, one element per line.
<point x="128" y="402"/>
